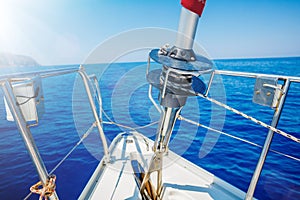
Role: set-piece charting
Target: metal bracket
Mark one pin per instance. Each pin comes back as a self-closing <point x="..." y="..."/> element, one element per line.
<point x="182" y="54"/>
<point x="267" y="92"/>
<point x="30" y="98"/>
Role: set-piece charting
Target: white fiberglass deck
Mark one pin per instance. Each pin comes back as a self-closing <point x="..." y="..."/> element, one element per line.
<point x="181" y="178"/>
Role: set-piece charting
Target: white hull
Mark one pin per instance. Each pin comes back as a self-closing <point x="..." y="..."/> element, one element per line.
<point x="181" y="178"/>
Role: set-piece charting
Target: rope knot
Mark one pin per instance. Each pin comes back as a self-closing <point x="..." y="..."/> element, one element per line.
<point x="45" y="191"/>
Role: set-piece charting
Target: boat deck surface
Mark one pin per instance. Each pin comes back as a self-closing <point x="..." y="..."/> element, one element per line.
<point x="181" y="178"/>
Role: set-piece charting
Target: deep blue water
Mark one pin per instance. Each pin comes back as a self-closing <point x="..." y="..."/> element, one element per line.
<point x="124" y="93"/>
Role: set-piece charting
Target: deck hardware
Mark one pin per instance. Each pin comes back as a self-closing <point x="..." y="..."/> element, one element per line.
<point x="155" y="166"/>
<point x="128" y="141"/>
<point x="30" y="99"/>
<point x="267" y="92"/>
<point x="181" y="67"/>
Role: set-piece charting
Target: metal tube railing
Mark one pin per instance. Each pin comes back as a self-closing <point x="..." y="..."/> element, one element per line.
<point x="267" y="144"/>
<point x="42" y="74"/>
<point x="287" y="82"/>
<point x="26" y="135"/>
<point x="98" y="92"/>
<point x="255" y="75"/>
<point x="85" y="79"/>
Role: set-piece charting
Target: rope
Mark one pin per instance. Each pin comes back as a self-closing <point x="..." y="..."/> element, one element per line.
<point x="251" y="118"/>
<point x="234" y="137"/>
<point x="36" y="93"/>
<point x="189" y="91"/>
<point x="48" y="189"/>
<point x="45" y="191"/>
<point x="85" y="135"/>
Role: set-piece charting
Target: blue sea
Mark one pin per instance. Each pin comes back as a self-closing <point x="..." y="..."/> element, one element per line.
<point x="124" y="93"/>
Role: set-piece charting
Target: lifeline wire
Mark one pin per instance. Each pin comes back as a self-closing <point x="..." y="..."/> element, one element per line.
<point x="170" y="84"/>
<point x="85" y="135"/>
<point x="110" y="121"/>
<point x="251" y="118"/>
<point x="234" y="137"/>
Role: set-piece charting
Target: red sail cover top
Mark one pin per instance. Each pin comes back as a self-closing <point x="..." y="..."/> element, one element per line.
<point x="195" y="6"/>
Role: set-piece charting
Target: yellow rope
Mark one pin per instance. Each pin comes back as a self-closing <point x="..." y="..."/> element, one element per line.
<point x="44" y="190"/>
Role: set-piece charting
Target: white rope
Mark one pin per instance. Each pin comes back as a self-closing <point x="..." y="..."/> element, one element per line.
<point x="234" y="137"/>
<point x="189" y="91"/>
<point x="251" y="118"/>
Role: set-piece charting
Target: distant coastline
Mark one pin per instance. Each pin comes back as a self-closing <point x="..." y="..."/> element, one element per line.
<point x="13" y="60"/>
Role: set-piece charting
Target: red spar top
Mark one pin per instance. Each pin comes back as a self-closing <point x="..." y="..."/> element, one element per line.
<point x="195" y="6"/>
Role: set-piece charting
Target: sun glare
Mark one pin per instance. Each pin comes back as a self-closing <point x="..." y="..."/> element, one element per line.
<point x="6" y="25"/>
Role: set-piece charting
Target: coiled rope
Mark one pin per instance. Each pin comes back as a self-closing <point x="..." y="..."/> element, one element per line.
<point x="44" y="190"/>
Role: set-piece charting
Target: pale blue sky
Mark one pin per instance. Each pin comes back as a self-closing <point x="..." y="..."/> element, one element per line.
<point x="65" y="31"/>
